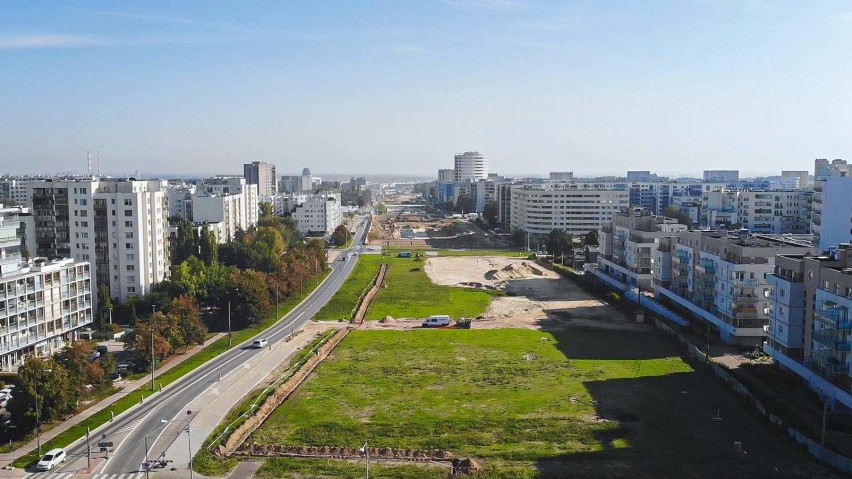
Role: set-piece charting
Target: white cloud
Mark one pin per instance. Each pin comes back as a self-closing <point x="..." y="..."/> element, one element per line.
<point x="24" y="41"/>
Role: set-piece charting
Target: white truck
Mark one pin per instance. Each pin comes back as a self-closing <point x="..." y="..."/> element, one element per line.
<point x="437" y="320"/>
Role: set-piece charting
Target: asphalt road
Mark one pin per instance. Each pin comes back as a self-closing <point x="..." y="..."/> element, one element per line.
<point x="130" y="432"/>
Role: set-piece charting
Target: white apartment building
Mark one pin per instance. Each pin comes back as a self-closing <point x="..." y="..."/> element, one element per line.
<point x="722" y="176"/>
<point x="728" y="285"/>
<point x="180" y="199"/>
<point x="121" y="226"/>
<point x="831" y="220"/>
<point x="42" y="304"/>
<point x="318" y="214"/>
<point x="19" y="189"/>
<point x="627" y="243"/>
<point x="446" y="175"/>
<point x="768" y="212"/>
<point x="576" y="208"/>
<point x="263" y="175"/>
<point x="470" y="165"/>
<point x="229" y="200"/>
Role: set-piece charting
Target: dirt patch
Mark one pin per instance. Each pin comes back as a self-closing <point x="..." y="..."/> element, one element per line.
<point x="537" y="298"/>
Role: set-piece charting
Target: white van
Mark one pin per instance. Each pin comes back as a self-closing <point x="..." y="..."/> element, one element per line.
<point x="437" y="320"/>
<point x="260" y="343"/>
<point x="50" y="460"/>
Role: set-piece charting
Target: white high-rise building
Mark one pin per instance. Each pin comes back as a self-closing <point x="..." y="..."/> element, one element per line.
<point x="318" y="213"/>
<point x="471" y="165"/>
<point x="120" y="226"/>
<point x="263" y="175"/>
<point x="228" y="200"/>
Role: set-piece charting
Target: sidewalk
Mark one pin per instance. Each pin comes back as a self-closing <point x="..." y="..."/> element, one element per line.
<point x="88" y="412"/>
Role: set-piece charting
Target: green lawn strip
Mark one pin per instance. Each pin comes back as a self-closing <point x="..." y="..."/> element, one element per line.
<point x="466" y="391"/>
<point x="297" y="468"/>
<point x="409" y="293"/>
<point x="341" y="304"/>
<point x="218" y="347"/>
<point x="211" y="465"/>
<point x="395" y="250"/>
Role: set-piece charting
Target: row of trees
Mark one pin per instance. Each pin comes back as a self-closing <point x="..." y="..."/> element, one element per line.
<point x="264" y="265"/>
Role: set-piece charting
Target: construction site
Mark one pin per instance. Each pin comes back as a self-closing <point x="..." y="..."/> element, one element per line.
<point x="410" y="226"/>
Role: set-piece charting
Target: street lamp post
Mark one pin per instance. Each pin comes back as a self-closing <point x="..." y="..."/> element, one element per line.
<point x="824" y="398"/>
<point x="110" y="315"/>
<point x="147" y="466"/>
<point x="188" y="438"/>
<point x="153" y="311"/>
<point x="364" y="449"/>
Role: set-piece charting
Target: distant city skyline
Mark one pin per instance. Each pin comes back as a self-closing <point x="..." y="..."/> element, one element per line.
<point x="399" y="88"/>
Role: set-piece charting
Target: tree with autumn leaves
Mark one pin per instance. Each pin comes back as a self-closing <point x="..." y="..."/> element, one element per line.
<point x="179" y="326"/>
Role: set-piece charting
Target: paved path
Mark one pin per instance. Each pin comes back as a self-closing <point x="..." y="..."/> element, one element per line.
<point x="245" y="470"/>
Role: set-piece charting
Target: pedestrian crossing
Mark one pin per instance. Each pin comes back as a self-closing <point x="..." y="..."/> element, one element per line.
<point x="79" y="475"/>
<point x="130" y="426"/>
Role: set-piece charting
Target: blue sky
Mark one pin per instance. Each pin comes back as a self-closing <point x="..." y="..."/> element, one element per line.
<point x="400" y="86"/>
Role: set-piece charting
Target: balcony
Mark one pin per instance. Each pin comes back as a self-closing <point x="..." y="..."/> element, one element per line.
<point x="746" y="282"/>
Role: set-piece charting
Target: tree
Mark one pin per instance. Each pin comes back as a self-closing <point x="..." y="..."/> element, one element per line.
<point x="266" y="208"/>
<point x="491" y="213"/>
<point x="558" y="243"/>
<point x="76" y="358"/>
<point x="45" y="383"/>
<point x="186" y="244"/>
<point x="140" y="338"/>
<point x="249" y="295"/>
<point x="340" y="235"/>
<point x="105" y="304"/>
<point x="682" y="217"/>
<point x="591" y="238"/>
<point x="382" y="208"/>
<point x="185" y="318"/>
<point x="465" y="204"/>
<point x="208" y="246"/>
<point x="108" y="364"/>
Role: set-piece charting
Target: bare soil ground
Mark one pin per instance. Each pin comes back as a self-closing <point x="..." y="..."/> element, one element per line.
<point x="439" y="232"/>
<point x="536" y="298"/>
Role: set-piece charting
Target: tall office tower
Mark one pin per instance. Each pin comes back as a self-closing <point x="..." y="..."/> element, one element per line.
<point x="119" y="225"/>
<point x="307" y="180"/>
<point x="722" y="176"/>
<point x="471" y="165"/>
<point x="263" y="175"/>
<point x="42" y="304"/>
<point x="831" y="223"/>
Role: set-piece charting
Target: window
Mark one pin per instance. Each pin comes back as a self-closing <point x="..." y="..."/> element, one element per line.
<point x="131" y="279"/>
<point x="128" y="212"/>
<point x="84" y="224"/>
<point x="130" y="257"/>
<point x="112" y="201"/>
<point x="128" y="224"/>
<point x="130" y="289"/>
<point x="128" y="235"/>
<point x="128" y="202"/>
<point x="131" y="267"/>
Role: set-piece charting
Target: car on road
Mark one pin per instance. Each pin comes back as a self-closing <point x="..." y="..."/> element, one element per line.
<point x="50" y="460"/>
<point x="102" y="349"/>
<point x="260" y="343"/>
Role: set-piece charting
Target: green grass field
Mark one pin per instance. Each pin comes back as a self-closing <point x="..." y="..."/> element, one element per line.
<point x="580" y="408"/>
<point x="409" y="293"/>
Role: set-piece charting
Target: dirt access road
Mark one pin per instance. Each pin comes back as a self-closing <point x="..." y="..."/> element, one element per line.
<point x="536" y="298"/>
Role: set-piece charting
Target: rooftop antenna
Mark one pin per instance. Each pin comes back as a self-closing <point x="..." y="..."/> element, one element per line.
<point x="99" y="164"/>
<point x="89" y="162"/>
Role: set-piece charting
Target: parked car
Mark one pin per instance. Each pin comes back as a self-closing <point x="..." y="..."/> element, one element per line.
<point x="260" y="343"/>
<point x="122" y="368"/>
<point x="95" y="354"/>
<point x="50" y="460"/>
<point x="102" y="349"/>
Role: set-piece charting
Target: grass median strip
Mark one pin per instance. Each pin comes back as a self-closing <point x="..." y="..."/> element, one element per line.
<point x="105" y="415"/>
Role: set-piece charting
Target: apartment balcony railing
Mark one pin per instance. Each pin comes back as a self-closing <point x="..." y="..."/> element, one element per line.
<point x="835" y="318"/>
<point x="746" y="282"/>
<point x="746" y="299"/>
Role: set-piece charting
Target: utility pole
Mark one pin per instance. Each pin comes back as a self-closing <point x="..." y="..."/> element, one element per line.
<point x="88" y="450"/>
<point x="153" y="311"/>
<point x="230" y="339"/>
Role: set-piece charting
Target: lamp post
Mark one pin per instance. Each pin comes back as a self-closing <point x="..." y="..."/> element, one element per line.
<point x="110" y="315"/>
<point x="153" y="311"/>
<point x="364" y="450"/>
<point x="188" y="437"/>
<point x="824" y="398"/>
<point x="38" y="417"/>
